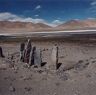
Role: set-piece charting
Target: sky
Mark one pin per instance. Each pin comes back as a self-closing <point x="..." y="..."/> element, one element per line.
<point x="47" y="11"/>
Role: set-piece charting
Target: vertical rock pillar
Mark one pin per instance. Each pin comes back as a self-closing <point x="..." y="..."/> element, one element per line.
<point x="27" y="51"/>
<point x="54" y="56"/>
<point x="1" y="53"/>
<point x="32" y="56"/>
<point x="22" y="48"/>
<point x="37" y="57"/>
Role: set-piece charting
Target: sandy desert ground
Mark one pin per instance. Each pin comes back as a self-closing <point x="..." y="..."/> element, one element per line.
<point x="75" y="76"/>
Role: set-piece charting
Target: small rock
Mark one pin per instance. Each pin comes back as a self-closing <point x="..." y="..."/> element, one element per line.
<point x="63" y="76"/>
<point x="81" y="66"/>
<point x="93" y="61"/>
<point x="11" y="65"/>
<point x="15" y="71"/>
<point x="26" y="65"/>
<point x="28" y="89"/>
<point x="35" y="66"/>
<point x="27" y="78"/>
<point x="57" y="84"/>
<point x="54" y="93"/>
<point x="88" y="75"/>
<point x="80" y="61"/>
<point x="12" y="89"/>
<point x="40" y="71"/>
<point x="44" y="49"/>
<point x="5" y="78"/>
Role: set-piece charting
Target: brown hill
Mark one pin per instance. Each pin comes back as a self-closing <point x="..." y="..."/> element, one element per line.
<point x="7" y="26"/>
<point x="28" y="26"/>
<point x="41" y="25"/>
<point x="90" y="22"/>
<point x="78" y="24"/>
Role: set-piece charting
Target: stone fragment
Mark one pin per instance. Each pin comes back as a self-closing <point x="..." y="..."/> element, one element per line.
<point x="12" y="89"/>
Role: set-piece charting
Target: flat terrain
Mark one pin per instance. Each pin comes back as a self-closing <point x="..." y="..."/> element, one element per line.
<point x="84" y="34"/>
<point x="75" y="76"/>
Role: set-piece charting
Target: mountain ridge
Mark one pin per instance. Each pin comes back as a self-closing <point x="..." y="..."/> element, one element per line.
<point x="29" y="26"/>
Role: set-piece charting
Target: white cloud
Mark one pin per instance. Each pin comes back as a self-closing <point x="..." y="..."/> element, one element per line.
<point x="76" y="19"/>
<point x="57" y="22"/>
<point x="36" y="15"/>
<point x="92" y="8"/>
<point x="93" y="3"/>
<point x="91" y="18"/>
<point x="6" y="16"/>
<point x="11" y="17"/>
<point x="37" y="7"/>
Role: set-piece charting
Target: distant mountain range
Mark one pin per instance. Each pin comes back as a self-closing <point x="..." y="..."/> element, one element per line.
<point x="28" y="26"/>
<point x="8" y="24"/>
<point x="78" y="24"/>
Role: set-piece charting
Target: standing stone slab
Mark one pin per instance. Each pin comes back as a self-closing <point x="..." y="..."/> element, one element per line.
<point x="27" y="52"/>
<point x="1" y="52"/>
<point x="37" y="57"/>
<point x="22" y="48"/>
<point x="32" y="56"/>
<point x="54" y="56"/>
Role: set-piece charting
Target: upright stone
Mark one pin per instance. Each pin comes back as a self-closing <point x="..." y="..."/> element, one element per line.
<point x="27" y="51"/>
<point x="54" y="56"/>
<point x="32" y="56"/>
<point x="37" y="57"/>
<point x="22" y="48"/>
<point x="1" y="52"/>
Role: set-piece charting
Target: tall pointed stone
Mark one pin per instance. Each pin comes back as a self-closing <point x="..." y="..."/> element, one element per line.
<point x="37" y="57"/>
<point x="22" y="48"/>
<point x="27" y="51"/>
<point x="54" y="56"/>
<point x="32" y="56"/>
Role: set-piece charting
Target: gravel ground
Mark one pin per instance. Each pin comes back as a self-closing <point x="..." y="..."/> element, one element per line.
<point x="75" y="76"/>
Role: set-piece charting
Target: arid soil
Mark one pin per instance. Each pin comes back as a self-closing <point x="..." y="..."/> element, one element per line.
<point x="75" y="76"/>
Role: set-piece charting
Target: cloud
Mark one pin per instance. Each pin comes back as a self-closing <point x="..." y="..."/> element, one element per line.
<point x="57" y="22"/>
<point x="37" y="7"/>
<point x="91" y="18"/>
<point x="36" y="15"/>
<point x="92" y="8"/>
<point x="12" y="17"/>
<point x="6" y="16"/>
<point x="93" y="3"/>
